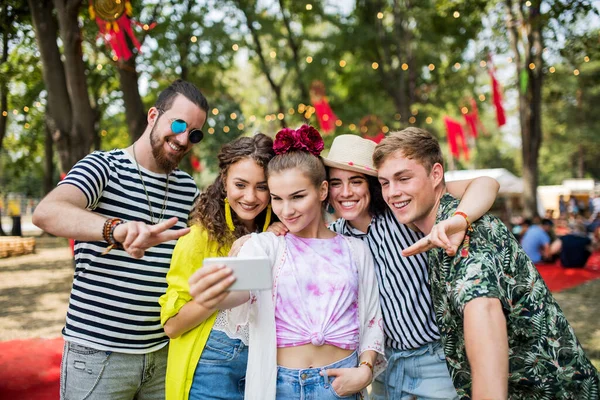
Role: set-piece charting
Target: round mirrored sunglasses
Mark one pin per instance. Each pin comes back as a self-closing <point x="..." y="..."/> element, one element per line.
<point x="179" y="126"/>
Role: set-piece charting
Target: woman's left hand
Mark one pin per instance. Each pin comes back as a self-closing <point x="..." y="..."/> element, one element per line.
<point x="350" y="380"/>
<point x="278" y="228"/>
<point x="237" y="245"/>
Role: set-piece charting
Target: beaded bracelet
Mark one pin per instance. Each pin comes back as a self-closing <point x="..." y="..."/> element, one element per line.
<point x="368" y="364"/>
<point x="108" y="233"/>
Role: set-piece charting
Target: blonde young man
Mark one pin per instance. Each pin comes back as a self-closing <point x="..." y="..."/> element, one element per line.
<point x="504" y="335"/>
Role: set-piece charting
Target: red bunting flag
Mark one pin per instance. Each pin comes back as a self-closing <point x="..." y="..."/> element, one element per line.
<point x="371" y="128"/>
<point x="456" y="138"/>
<point x="196" y="164"/>
<point x="497" y="98"/>
<point x="472" y="119"/>
<point x="325" y="114"/>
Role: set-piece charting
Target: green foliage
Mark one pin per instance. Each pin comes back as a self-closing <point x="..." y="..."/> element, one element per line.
<point x="571" y="125"/>
<point x="208" y="43"/>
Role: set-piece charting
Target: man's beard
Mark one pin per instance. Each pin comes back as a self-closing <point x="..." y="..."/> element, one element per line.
<point x="162" y="159"/>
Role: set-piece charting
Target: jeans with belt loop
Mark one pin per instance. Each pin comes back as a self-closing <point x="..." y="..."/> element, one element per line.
<point x="309" y="384"/>
<point x="415" y="374"/>
<point x="91" y="374"/>
<point x="221" y="371"/>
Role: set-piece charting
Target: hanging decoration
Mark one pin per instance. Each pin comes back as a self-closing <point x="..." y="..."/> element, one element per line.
<point x="114" y="22"/>
<point x="456" y="138"/>
<point x="497" y="96"/>
<point x="325" y="114"/>
<point x="196" y="164"/>
<point x="371" y="127"/>
<point x="472" y="119"/>
<point x="524" y="80"/>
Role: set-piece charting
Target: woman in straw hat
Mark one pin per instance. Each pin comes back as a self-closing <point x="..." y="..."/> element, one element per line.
<point x="416" y="362"/>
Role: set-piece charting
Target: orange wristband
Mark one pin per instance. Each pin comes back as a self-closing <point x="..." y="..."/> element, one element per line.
<point x="464" y="215"/>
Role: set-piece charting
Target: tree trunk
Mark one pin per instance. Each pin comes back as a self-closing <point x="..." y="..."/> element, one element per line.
<point x="82" y="130"/>
<point x="48" y="183"/>
<point x="135" y="112"/>
<point x="406" y="81"/>
<point x="532" y="142"/>
<point x="530" y="102"/>
<point x="580" y="161"/>
<point x="58" y="118"/>
<point x="3" y="92"/>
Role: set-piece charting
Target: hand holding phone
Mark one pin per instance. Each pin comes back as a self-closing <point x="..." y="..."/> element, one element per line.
<point x="251" y="273"/>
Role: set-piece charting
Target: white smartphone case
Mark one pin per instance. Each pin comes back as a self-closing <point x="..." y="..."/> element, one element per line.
<point x="252" y="273"/>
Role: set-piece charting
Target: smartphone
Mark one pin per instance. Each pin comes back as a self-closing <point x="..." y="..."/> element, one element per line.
<point x="251" y="273"/>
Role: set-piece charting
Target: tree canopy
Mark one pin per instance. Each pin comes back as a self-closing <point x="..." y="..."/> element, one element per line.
<point x="381" y="64"/>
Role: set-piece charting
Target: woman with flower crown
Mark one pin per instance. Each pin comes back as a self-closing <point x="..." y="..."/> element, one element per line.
<point x="318" y="333"/>
<point x="207" y="360"/>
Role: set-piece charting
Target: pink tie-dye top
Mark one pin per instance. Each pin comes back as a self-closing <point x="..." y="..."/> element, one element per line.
<point x="317" y="299"/>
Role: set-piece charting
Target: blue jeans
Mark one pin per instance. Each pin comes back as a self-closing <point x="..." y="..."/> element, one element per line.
<point x="90" y="374"/>
<point x="308" y="384"/>
<point x="420" y="373"/>
<point x="221" y="371"/>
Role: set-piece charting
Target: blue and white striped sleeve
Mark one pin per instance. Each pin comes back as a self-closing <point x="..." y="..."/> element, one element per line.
<point x="90" y="175"/>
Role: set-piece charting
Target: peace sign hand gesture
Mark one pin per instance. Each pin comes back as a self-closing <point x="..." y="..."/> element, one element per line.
<point x="137" y="237"/>
<point x="447" y="234"/>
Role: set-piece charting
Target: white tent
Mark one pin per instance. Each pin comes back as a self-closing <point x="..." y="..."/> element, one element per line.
<point x="511" y="186"/>
<point x="509" y="183"/>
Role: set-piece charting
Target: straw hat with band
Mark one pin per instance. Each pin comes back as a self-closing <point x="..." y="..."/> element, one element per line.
<point x="352" y="153"/>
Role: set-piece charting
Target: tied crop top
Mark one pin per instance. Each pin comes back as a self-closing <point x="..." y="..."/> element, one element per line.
<point x="317" y="299"/>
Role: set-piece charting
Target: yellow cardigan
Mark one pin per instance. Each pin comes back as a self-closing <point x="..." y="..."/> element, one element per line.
<point x="185" y="351"/>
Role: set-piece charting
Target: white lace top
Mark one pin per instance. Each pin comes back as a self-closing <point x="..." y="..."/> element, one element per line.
<point x="221" y="324"/>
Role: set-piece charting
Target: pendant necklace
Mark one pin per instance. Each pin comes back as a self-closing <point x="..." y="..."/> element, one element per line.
<point x="164" y="206"/>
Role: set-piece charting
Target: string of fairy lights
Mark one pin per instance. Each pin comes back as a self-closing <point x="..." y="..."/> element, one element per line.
<point x="307" y="111"/>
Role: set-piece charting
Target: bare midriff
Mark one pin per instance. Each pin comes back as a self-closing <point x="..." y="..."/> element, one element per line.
<point x="310" y="356"/>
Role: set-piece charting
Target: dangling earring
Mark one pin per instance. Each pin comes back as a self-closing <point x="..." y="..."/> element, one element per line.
<point x="267" y="218"/>
<point x="228" y="218"/>
<point x="329" y="208"/>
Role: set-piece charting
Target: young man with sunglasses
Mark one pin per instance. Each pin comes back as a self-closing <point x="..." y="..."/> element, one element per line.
<point x="125" y="208"/>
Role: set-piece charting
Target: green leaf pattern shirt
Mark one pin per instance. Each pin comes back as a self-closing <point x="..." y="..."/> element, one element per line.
<point x="546" y="360"/>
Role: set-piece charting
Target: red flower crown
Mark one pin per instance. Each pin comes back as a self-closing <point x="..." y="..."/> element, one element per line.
<point x="305" y="138"/>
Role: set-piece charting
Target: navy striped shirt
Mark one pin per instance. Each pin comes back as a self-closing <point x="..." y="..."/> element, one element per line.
<point x="409" y="320"/>
<point x="114" y="301"/>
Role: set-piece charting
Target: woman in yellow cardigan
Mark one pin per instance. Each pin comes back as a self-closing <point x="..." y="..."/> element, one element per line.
<point x="207" y="360"/>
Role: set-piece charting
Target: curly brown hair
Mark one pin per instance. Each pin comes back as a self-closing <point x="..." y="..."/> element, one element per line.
<point x="209" y="210"/>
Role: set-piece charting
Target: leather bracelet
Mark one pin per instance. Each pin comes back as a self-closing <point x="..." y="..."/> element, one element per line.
<point x="368" y="364"/>
<point x="108" y="231"/>
<point x="464" y="215"/>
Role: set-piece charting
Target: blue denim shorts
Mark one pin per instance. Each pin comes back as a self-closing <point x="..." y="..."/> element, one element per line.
<point x="221" y="371"/>
<point x="308" y="384"/>
<point x="419" y="373"/>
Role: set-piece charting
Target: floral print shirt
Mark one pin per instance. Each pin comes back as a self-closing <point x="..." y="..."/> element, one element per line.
<point x="546" y="360"/>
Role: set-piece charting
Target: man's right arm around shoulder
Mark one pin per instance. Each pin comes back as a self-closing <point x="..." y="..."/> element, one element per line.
<point x="63" y="213"/>
<point x="486" y="343"/>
